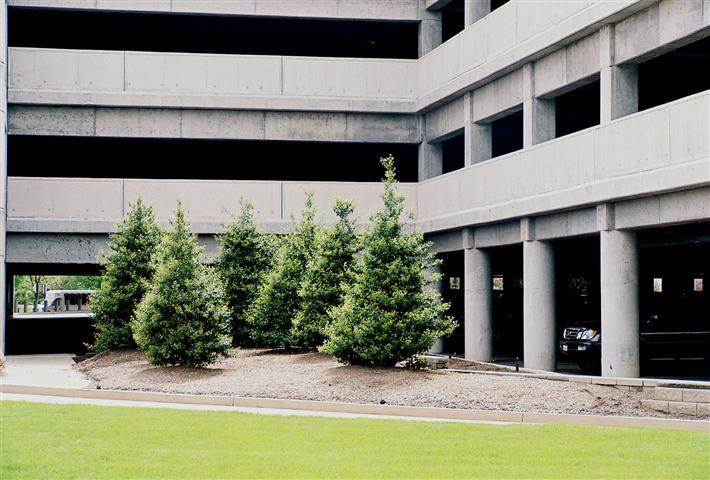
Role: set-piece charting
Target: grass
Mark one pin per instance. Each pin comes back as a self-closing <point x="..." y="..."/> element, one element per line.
<point x="86" y="441"/>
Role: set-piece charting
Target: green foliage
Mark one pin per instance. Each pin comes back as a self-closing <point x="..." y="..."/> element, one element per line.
<point x="24" y="289"/>
<point x="278" y="302"/>
<point x="128" y="270"/>
<point x="81" y="282"/>
<point x="183" y="319"/>
<point x="388" y="314"/>
<point x="245" y="257"/>
<point x="328" y="273"/>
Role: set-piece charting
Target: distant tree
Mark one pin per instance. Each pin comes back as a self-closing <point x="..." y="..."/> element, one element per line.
<point x="183" y="319"/>
<point x="245" y="257"/>
<point x="328" y="273"/>
<point x="81" y="282"/>
<point x="388" y="315"/>
<point x="271" y="315"/>
<point x="124" y="281"/>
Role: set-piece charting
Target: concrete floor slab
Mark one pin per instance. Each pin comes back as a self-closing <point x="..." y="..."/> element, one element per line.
<point x="55" y="370"/>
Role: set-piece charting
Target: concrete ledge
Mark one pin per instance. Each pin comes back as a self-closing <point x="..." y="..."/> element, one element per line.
<point x="389" y="410"/>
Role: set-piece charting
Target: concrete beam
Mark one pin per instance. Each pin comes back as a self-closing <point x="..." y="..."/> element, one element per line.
<point x="213" y="124"/>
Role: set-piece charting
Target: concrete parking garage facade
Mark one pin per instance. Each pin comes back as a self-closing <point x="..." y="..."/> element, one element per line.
<point x="639" y="166"/>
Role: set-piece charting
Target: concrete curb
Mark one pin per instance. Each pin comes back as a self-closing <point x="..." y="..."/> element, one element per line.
<point x="356" y="408"/>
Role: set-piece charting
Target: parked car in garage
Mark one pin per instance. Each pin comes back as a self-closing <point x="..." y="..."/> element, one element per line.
<point x="659" y="338"/>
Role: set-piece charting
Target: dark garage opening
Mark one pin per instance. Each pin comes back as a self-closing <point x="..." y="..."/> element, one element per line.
<point x="453" y="293"/>
<point x="577" y="299"/>
<point x="64" y="324"/>
<point x="673" y="75"/>
<point x="674" y="271"/>
<point x="93" y="157"/>
<point x="452" y="19"/>
<point x="507" y="134"/>
<point x="577" y="109"/>
<point x="453" y="153"/>
<point x="248" y="35"/>
<point x="507" y="268"/>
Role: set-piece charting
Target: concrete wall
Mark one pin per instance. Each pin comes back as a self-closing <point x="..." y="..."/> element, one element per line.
<point x="96" y="205"/>
<point x="350" y="9"/>
<point x="66" y="77"/>
<point x="662" y="149"/>
<point x="214" y="124"/>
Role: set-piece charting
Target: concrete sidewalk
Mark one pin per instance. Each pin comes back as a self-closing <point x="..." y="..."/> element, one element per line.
<point x="42" y="371"/>
<point x="255" y="410"/>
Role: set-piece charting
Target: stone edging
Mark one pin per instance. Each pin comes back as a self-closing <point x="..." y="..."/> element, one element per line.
<point x="356" y="408"/>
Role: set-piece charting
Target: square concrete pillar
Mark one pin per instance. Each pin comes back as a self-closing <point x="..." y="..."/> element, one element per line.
<point x="538" y="113"/>
<point x="478" y="143"/>
<point x="430" y="160"/>
<point x="478" y="305"/>
<point x="474" y="10"/>
<point x="619" y="304"/>
<point x="618" y="84"/>
<point x="539" y="337"/>
<point x="429" y="29"/>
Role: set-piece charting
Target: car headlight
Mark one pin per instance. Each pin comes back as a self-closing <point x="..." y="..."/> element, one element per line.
<point x="587" y="334"/>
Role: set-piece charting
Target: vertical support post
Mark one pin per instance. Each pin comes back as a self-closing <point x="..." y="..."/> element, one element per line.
<point x="474" y="10"/>
<point x="478" y="140"/>
<point x="429" y="29"/>
<point x="431" y="161"/>
<point x="538" y="301"/>
<point x="538" y="114"/>
<point x="478" y="301"/>
<point x="619" y="304"/>
<point x="618" y="84"/>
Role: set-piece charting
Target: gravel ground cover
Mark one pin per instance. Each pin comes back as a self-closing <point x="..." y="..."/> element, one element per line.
<point x="311" y="376"/>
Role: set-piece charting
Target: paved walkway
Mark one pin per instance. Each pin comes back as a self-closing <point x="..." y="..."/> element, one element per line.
<point x="184" y="406"/>
<point x="43" y="371"/>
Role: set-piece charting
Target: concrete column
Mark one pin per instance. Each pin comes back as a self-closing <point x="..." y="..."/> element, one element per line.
<point x="430" y="160"/>
<point x="478" y="145"/>
<point x="478" y="305"/>
<point x="619" y="304"/>
<point x="3" y="171"/>
<point x="437" y="286"/>
<point x="538" y="304"/>
<point x="618" y="84"/>
<point x="429" y="29"/>
<point x="474" y="10"/>
<point x="538" y="114"/>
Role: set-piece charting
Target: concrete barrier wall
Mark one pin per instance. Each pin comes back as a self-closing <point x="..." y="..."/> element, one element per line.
<point x="203" y="74"/>
<point x="658" y="150"/>
<point x="95" y="205"/>
<point x="351" y="9"/>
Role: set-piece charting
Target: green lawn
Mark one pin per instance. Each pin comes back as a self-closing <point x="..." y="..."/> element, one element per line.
<point x="72" y="441"/>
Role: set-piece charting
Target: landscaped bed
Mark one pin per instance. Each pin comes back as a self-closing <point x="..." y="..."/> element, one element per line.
<point x="311" y="376"/>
